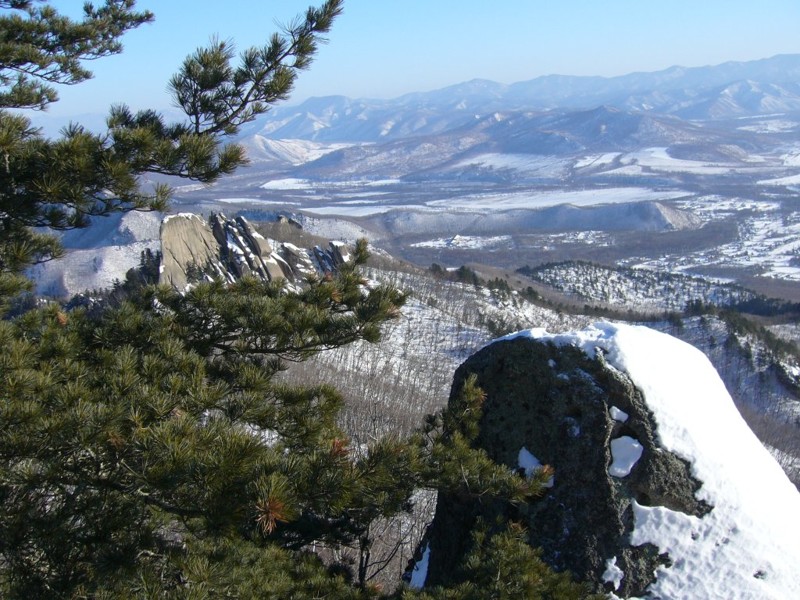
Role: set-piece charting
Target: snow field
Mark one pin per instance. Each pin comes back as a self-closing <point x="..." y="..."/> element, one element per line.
<point x="768" y="240"/>
<point x="541" y="199"/>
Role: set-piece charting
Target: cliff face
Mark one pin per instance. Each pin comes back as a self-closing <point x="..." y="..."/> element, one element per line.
<point x="194" y="248"/>
<point x="654" y="488"/>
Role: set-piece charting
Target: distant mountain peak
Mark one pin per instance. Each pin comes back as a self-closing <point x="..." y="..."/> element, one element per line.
<point x="688" y="92"/>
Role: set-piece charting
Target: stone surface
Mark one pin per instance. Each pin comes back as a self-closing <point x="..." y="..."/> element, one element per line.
<point x="557" y="403"/>
<point x="194" y="248"/>
<point x="186" y="240"/>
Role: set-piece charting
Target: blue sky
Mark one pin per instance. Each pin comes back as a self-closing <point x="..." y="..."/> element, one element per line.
<point x="384" y="48"/>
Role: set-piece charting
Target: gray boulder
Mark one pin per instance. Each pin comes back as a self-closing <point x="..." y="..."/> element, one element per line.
<point x="557" y="405"/>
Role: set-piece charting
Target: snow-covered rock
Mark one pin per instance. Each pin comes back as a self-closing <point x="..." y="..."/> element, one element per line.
<point x="678" y="500"/>
<point x="193" y="247"/>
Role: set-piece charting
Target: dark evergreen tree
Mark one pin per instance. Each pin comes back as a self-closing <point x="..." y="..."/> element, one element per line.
<point x="158" y="426"/>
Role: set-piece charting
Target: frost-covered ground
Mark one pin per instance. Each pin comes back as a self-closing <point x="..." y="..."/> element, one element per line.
<point x="336" y="198"/>
<point x="542" y="199"/>
<point x="466" y="241"/>
<point x="658" y="160"/>
<point x="768" y="239"/>
<point x="748" y="546"/>
<point x="526" y="165"/>
<point x="771" y="126"/>
<point x="392" y="385"/>
<point x="98" y="256"/>
<point x="642" y="289"/>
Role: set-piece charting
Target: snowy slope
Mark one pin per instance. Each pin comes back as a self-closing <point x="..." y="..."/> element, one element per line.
<point x="98" y="255"/>
<point x="748" y="546"/>
<point x="639" y="288"/>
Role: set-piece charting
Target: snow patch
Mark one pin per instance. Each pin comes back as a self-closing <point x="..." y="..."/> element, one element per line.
<point x="98" y="255"/>
<point x="613" y="574"/>
<point x="529" y="463"/>
<point x="465" y="241"/>
<point x="617" y="414"/>
<point x="287" y="184"/>
<point x="789" y="180"/>
<point x="625" y="453"/>
<point x="542" y="199"/>
<point x="597" y="160"/>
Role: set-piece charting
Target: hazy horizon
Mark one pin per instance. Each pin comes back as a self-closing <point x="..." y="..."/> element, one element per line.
<point x="389" y="48"/>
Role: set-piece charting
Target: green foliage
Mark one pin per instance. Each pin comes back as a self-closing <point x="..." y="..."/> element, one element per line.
<point x="228" y="573"/>
<point x="219" y="98"/>
<point x="437" y="270"/>
<point x="500" y="326"/>
<point x="503" y="566"/>
<point x="466" y="275"/>
<point x="124" y="431"/>
<point x="463" y="274"/>
<point x="499" y="284"/>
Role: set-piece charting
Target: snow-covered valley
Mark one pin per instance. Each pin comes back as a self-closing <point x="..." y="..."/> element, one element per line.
<point x="511" y="219"/>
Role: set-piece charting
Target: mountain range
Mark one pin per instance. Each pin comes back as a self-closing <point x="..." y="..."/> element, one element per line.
<point x="726" y="113"/>
<point x="729" y="90"/>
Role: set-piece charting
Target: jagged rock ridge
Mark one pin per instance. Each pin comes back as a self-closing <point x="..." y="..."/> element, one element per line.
<point x="194" y="248"/>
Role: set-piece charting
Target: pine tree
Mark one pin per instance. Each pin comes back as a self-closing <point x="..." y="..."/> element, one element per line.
<point x="144" y="441"/>
<point x="149" y="448"/>
<point x="160" y="425"/>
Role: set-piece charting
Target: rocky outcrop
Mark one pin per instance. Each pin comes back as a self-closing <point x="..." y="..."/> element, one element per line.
<point x="194" y="248"/>
<point x="245" y="252"/>
<point x="186" y="242"/>
<point x="557" y="406"/>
